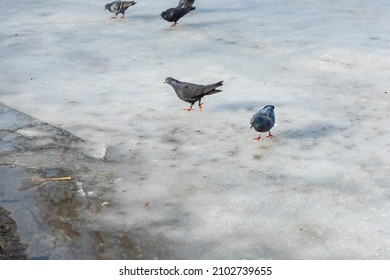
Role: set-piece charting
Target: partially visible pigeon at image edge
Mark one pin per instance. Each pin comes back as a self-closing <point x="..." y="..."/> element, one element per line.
<point x="119" y="7"/>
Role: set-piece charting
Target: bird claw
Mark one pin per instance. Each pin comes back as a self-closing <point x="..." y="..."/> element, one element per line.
<point x="200" y="106"/>
<point x="258" y="138"/>
<point x="173" y="24"/>
<point x="188" y="109"/>
<point x="270" y="135"/>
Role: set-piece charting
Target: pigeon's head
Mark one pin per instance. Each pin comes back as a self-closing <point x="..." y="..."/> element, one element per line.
<point x="107" y="6"/>
<point x="171" y="81"/>
<point x="164" y="15"/>
<point x="269" y="107"/>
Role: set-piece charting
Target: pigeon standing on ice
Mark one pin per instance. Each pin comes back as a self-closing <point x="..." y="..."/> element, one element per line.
<point x="174" y="14"/>
<point x="191" y="93"/>
<point x="185" y="3"/>
<point x="119" y="7"/>
<point x="263" y="121"/>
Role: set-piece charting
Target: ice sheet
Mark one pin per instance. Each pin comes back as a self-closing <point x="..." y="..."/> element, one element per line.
<point x="196" y="181"/>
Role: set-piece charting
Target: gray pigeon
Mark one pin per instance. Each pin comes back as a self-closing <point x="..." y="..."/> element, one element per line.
<point x="119" y="7"/>
<point x="263" y="121"/>
<point x="191" y="93"/>
<point x="174" y="14"/>
<point x="185" y="3"/>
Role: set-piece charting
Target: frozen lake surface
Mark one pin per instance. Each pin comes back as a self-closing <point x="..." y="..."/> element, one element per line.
<point x="195" y="185"/>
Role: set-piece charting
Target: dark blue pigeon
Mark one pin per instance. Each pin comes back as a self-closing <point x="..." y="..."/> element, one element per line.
<point x="263" y="121"/>
<point x="174" y="14"/>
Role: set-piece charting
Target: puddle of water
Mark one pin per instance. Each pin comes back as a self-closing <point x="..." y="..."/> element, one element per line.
<point x="55" y="219"/>
<point x="10" y="245"/>
<point x="58" y="220"/>
<point x="47" y="213"/>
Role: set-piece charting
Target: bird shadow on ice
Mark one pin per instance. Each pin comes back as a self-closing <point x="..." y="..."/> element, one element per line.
<point x="315" y="131"/>
<point x="220" y="10"/>
<point x="145" y="17"/>
<point x="209" y="23"/>
<point x="250" y="106"/>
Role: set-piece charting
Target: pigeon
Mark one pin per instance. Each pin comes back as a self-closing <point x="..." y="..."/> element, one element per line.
<point x="119" y="7"/>
<point x="185" y="3"/>
<point x="263" y="121"/>
<point x="174" y="14"/>
<point x="191" y="93"/>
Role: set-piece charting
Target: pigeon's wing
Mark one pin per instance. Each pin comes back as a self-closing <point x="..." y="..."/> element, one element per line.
<point x="254" y="118"/>
<point x="191" y="91"/>
<point x="271" y="118"/>
<point x="260" y="122"/>
<point x="114" y="7"/>
<point x="176" y="14"/>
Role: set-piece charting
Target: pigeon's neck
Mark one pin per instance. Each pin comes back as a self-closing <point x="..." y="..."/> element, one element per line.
<point x="174" y="83"/>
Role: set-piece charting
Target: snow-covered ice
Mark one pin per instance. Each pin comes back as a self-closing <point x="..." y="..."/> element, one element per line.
<point x="195" y="184"/>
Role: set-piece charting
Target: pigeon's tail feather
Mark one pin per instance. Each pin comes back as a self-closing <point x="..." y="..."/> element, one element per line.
<point x="189" y="8"/>
<point x="127" y="4"/>
<point x="211" y="89"/>
<point x="218" y="84"/>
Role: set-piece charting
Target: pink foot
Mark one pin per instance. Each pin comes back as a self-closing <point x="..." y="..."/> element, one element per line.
<point x="270" y="135"/>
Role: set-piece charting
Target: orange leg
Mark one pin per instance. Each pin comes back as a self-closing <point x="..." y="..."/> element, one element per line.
<point x="270" y="135"/>
<point x="200" y="106"/>
<point x="173" y="24"/>
<point x="189" y="109"/>
<point x="114" y="17"/>
<point x="258" y="138"/>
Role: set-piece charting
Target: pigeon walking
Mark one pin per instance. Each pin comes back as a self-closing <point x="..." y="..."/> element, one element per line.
<point x="185" y="3"/>
<point x="119" y="7"/>
<point x="192" y="93"/>
<point x="263" y="121"/>
<point x="174" y="14"/>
